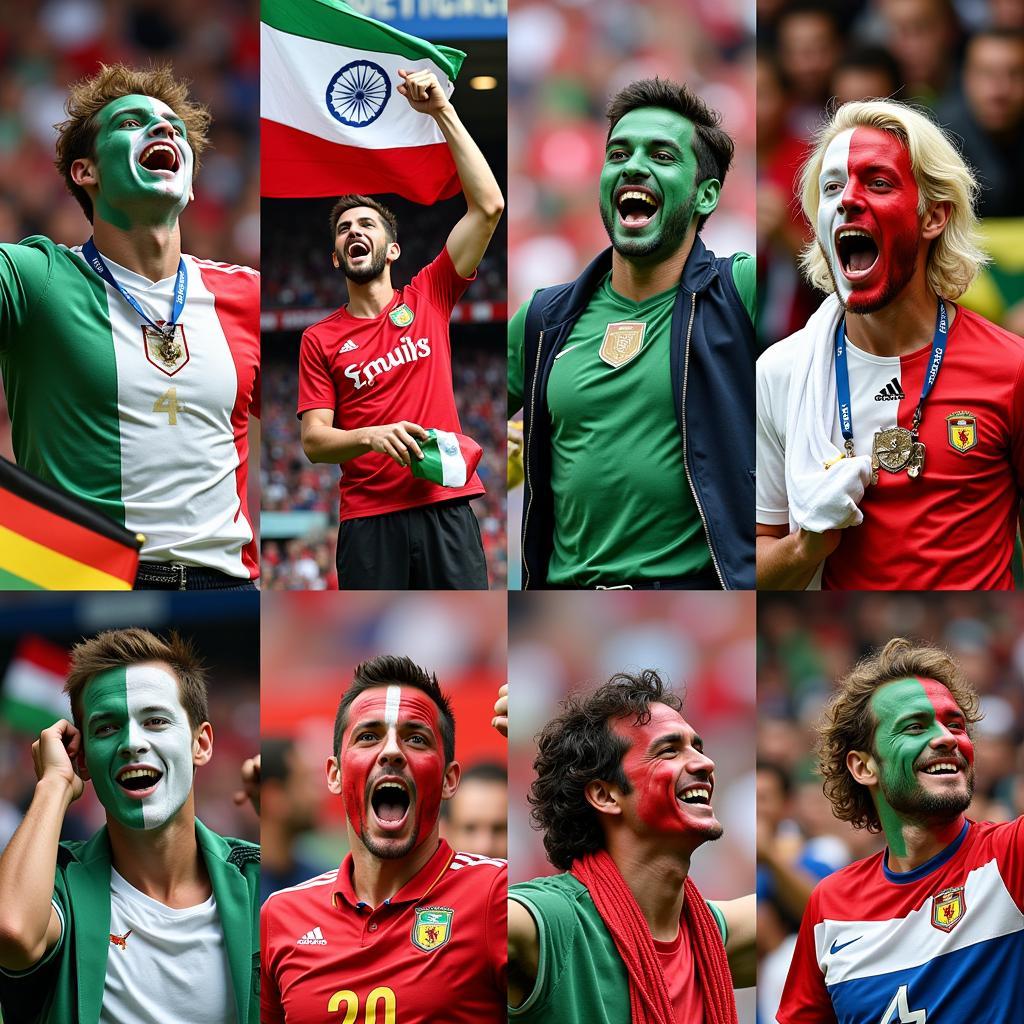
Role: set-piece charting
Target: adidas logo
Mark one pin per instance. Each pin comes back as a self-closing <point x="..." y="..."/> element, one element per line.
<point x="892" y="392"/>
<point x="349" y="346"/>
<point x="313" y="938"/>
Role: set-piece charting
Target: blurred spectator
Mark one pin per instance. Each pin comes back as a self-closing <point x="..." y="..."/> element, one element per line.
<point x="866" y="72"/>
<point x="475" y="820"/>
<point x="809" y="45"/>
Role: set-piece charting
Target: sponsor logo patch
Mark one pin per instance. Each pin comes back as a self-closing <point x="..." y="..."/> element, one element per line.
<point x="622" y="342"/>
<point x="962" y="431"/>
<point x="121" y="941"/>
<point x="314" y="937"/>
<point x="401" y="316"/>
<point x="432" y="928"/>
<point x="349" y="346"/>
<point x="948" y="908"/>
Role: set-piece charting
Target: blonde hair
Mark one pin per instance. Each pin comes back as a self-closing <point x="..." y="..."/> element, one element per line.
<point x="955" y="257"/>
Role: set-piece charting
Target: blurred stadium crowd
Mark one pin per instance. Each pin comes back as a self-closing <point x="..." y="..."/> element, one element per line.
<point x="961" y="60"/>
<point x="803" y="648"/>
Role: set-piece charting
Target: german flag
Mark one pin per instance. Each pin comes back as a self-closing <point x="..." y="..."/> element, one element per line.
<point x="51" y="541"/>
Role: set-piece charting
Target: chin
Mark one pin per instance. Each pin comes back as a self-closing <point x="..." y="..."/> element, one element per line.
<point x="389" y="848"/>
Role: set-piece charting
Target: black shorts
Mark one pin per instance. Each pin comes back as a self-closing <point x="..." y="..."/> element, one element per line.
<point x="431" y="547"/>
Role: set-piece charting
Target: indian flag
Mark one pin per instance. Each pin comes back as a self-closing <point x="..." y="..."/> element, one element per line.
<point x="331" y="118"/>
<point x="448" y="459"/>
<point x="32" y="695"/>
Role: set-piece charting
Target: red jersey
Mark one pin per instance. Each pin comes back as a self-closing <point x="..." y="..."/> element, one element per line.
<point x="684" y="987"/>
<point x="435" y="951"/>
<point x="396" y="366"/>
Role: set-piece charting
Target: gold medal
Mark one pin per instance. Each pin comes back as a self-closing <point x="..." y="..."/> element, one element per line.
<point x="895" y="449"/>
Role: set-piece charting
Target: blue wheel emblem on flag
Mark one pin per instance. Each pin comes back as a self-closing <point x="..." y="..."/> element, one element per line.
<point x="358" y="93"/>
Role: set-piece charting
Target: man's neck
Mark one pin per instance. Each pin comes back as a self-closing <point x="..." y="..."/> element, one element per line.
<point x="904" y="325"/>
<point x="639" y="280"/>
<point x="376" y="879"/>
<point x="153" y="251"/>
<point x="163" y="863"/>
<point x="369" y="300"/>
<point x="914" y="843"/>
<point x="656" y="879"/>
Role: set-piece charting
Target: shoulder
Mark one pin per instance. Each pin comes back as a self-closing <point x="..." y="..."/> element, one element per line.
<point x="215" y="268"/>
<point x="553" y="893"/>
<point x="474" y="874"/>
<point x="315" y="890"/>
<point x="228" y="280"/>
<point x="836" y="892"/>
<point x="983" y="332"/>
<point x="776" y="362"/>
<point x="327" y="326"/>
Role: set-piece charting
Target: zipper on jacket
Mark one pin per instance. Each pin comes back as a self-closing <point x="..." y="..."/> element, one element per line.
<point x="526" y="460"/>
<point x="686" y="464"/>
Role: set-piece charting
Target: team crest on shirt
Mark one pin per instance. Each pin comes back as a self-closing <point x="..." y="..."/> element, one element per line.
<point x="948" y="908"/>
<point x="401" y="316"/>
<point x="432" y="928"/>
<point x="622" y="342"/>
<point x="962" y="431"/>
<point x="167" y="352"/>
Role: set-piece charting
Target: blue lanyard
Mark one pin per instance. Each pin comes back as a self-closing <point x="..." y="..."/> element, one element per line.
<point x="843" y="376"/>
<point x="95" y="260"/>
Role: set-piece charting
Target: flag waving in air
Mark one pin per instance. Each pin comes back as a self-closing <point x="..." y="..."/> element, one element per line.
<point x="331" y="119"/>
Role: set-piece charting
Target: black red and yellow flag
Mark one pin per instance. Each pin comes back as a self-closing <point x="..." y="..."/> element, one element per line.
<point x="51" y="541"/>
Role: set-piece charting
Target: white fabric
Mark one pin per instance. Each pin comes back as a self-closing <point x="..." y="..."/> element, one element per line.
<point x="173" y="966"/>
<point x="453" y="465"/>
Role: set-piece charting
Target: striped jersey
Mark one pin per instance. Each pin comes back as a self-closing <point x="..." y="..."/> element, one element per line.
<point x="150" y="432"/>
<point x="942" y="944"/>
<point x="952" y="528"/>
<point x="435" y="951"/>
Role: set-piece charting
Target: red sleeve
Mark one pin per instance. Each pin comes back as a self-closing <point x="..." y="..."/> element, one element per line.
<point x="497" y="929"/>
<point x="1017" y="430"/>
<point x="1011" y="859"/>
<point x="271" y="1011"/>
<point x="805" y="999"/>
<point x="316" y="385"/>
<point x="441" y="283"/>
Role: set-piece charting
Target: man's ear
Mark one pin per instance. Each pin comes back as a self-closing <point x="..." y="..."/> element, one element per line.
<point x="708" y="194"/>
<point x="450" y="782"/>
<point x="334" y="259"/>
<point x="83" y="172"/>
<point x="863" y="767"/>
<point x="334" y="775"/>
<point x="935" y="220"/>
<point x="202" y="745"/>
<point x="394" y="251"/>
<point x="603" y="797"/>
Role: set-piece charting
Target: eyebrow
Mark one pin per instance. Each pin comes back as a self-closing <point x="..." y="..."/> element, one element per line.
<point x="376" y="723"/>
<point x="620" y="140"/>
<point x="676" y="737"/>
<point x="142" y="112"/>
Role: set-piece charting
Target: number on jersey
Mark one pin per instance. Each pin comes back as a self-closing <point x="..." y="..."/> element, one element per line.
<point x="168" y="403"/>
<point x="379" y="999"/>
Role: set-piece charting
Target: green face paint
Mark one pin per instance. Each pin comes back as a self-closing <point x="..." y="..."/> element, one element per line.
<point x="143" y="163"/>
<point x="138" y="744"/>
<point x="649" y="192"/>
<point x="921" y="734"/>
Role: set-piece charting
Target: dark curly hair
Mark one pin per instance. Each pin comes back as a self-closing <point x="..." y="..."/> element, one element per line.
<point x="849" y="723"/>
<point x="578" y="748"/>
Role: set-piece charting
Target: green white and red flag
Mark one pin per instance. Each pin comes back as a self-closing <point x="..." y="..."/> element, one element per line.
<point x="32" y="694"/>
<point x="448" y="459"/>
<point x="331" y="118"/>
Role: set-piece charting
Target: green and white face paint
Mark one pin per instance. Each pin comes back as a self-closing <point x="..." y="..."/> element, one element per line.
<point x="925" y="756"/>
<point x="138" y="744"/>
<point x="143" y="161"/>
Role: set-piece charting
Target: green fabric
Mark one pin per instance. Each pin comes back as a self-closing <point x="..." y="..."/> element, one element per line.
<point x="744" y="276"/>
<point x="67" y="987"/>
<point x="59" y="372"/>
<point x="580" y="976"/>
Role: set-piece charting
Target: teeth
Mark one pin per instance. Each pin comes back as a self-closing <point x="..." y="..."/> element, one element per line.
<point x="697" y="794"/>
<point x="389" y="785"/>
<point x="853" y="233"/>
<point x="945" y="766"/>
<point x="637" y="195"/>
<point x="138" y="773"/>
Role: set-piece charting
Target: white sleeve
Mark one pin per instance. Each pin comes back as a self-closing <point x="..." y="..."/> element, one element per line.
<point x="772" y="507"/>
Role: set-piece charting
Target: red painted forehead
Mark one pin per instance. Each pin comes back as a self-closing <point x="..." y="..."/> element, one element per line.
<point x="401" y="704"/>
<point x="663" y="721"/>
<point x="875" y="149"/>
<point x="941" y="699"/>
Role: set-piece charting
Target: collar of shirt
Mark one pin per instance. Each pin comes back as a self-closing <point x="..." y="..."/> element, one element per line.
<point x="416" y="889"/>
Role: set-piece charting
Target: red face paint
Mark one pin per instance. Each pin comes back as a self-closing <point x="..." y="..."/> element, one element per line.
<point x="949" y="717"/>
<point x="867" y="186"/>
<point x="392" y="746"/>
<point x="664" y="764"/>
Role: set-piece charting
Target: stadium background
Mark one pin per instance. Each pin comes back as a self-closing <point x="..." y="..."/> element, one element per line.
<point x="804" y="645"/>
<point x="566" y="59"/>
<point x="300" y="287"/>
<point x="310" y="645"/>
<point x="703" y="644"/>
<point x="47" y="44"/>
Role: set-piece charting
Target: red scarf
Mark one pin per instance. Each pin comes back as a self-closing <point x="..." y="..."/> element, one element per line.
<point x="648" y="994"/>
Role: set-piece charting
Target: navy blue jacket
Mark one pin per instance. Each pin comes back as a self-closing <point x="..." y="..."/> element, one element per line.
<point x="712" y="362"/>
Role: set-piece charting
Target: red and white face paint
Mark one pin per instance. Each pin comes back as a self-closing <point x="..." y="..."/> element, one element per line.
<point x="671" y="777"/>
<point x="868" y="222"/>
<point x="392" y="768"/>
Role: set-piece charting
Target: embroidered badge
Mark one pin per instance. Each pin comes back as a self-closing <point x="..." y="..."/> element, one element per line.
<point x="167" y="352"/>
<point x="401" y="316"/>
<point x="432" y="928"/>
<point x="622" y="342"/>
<point x="948" y="907"/>
<point x="962" y="431"/>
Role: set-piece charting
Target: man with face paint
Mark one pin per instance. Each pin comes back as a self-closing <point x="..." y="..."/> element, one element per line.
<point x="406" y="930"/>
<point x="933" y="927"/>
<point x="154" y="917"/>
<point x="623" y="795"/>
<point x="130" y="368"/>
<point x="889" y="429"/>
<point x="376" y="375"/>
<point x="635" y="380"/>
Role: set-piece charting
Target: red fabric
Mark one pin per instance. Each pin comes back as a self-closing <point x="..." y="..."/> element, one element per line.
<point x="388" y="373"/>
<point x="649" y="999"/>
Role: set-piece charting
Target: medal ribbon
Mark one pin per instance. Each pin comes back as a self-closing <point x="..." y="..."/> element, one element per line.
<point x="96" y="261"/>
<point x="843" y="376"/>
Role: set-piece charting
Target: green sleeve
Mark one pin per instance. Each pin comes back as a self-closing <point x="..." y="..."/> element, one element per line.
<point x="25" y="272"/>
<point x="516" y="381"/>
<point x="720" y="921"/>
<point x="744" y="275"/>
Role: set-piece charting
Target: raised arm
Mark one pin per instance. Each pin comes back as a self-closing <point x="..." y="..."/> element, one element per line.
<point x="740" y="939"/>
<point x="468" y="240"/>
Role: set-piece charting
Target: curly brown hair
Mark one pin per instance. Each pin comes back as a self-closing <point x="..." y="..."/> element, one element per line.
<point x="849" y="723"/>
<point x="578" y="748"/>
<point x="76" y="137"/>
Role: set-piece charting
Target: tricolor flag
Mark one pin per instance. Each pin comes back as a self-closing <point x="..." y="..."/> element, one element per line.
<point x="51" y="541"/>
<point x="448" y="459"/>
<point x="331" y="119"/>
<point x="32" y="694"/>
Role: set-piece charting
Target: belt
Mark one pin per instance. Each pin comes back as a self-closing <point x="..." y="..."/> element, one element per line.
<point x="175" y="576"/>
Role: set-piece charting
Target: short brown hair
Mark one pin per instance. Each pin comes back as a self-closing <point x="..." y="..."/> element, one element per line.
<point x="117" y="648"/>
<point x="351" y="201"/>
<point x="849" y="724"/>
<point x="77" y="135"/>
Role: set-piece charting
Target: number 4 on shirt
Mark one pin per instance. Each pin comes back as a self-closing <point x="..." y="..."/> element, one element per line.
<point x="168" y="403"/>
<point x="899" y="1011"/>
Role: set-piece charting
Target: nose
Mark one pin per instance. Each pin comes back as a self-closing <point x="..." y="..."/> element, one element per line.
<point x="945" y="738"/>
<point x="391" y="753"/>
<point x="635" y="167"/>
<point x="162" y="128"/>
<point x="700" y="765"/>
<point x="136" y="742"/>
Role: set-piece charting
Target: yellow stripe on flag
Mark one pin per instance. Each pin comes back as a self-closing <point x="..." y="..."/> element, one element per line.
<point x="50" y="569"/>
